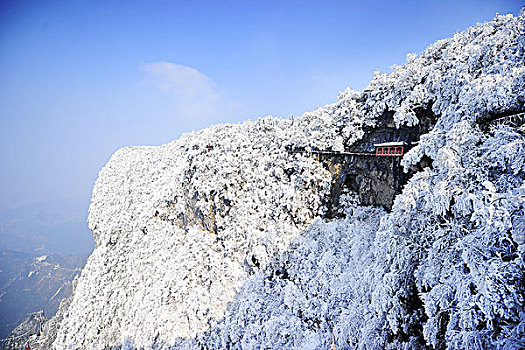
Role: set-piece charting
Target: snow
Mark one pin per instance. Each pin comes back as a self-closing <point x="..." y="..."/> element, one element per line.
<point x="316" y="287"/>
<point x="225" y="246"/>
<point x="146" y="217"/>
<point x="57" y="292"/>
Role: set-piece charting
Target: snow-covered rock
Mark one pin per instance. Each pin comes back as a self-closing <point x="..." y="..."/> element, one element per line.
<point x="179" y="228"/>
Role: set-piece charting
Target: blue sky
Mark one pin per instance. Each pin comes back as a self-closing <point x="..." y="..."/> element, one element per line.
<point x="80" y="79"/>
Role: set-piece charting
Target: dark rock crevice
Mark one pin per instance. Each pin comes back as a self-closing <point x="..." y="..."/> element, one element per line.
<point x="375" y="180"/>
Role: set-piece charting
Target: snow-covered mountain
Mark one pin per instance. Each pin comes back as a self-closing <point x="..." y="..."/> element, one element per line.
<point x="29" y="283"/>
<point x="236" y="237"/>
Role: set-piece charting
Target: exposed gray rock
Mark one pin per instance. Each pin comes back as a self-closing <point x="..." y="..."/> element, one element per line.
<point x="375" y="180"/>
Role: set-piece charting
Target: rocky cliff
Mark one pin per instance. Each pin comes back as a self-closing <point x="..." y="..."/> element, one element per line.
<point x="224" y="239"/>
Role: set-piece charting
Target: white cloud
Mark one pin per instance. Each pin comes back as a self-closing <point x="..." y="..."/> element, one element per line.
<point x="193" y="92"/>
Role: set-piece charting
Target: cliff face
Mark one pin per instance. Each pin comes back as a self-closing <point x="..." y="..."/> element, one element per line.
<point x="224" y="239"/>
<point x="179" y="228"/>
<point x="375" y="180"/>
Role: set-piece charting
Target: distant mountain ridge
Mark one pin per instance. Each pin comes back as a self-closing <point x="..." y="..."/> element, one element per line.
<point x="30" y="283"/>
<point x="224" y="239"/>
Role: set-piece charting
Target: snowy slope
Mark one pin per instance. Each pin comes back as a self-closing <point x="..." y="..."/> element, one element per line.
<point x="161" y="269"/>
<point x="208" y="241"/>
